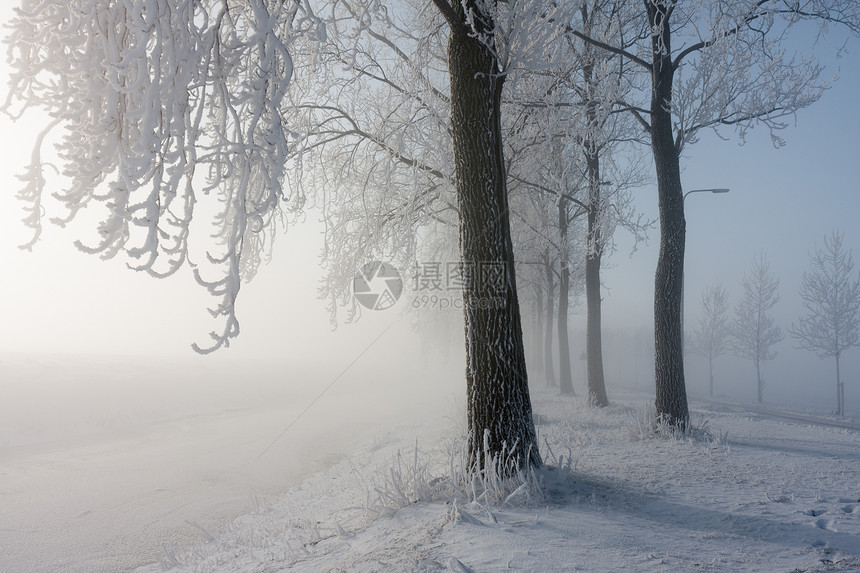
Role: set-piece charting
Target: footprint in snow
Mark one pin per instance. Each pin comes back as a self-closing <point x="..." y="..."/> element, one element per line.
<point x="850" y="508"/>
<point x="456" y="566"/>
<point x="825" y="524"/>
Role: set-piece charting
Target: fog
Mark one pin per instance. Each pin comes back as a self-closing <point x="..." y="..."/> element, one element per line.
<point x="108" y="463"/>
<point x="96" y="364"/>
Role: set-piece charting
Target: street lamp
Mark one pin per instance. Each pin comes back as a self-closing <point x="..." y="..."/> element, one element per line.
<point x="684" y="268"/>
<point x="705" y="191"/>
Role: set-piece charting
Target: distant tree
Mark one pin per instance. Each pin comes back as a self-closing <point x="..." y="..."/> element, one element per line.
<point x="581" y="157"/>
<point x="831" y="295"/>
<point x="550" y="281"/>
<point x="754" y="333"/>
<point x="601" y="89"/>
<point x="711" y="338"/>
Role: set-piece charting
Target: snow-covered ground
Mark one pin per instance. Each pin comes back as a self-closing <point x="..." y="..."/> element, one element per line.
<point x="747" y="493"/>
<point x="192" y="491"/>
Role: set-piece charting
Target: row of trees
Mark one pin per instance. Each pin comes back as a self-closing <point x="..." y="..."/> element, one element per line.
<point x="830" y="292"/>
<point x="375" y="134"/>
<point x="502" y="121"/>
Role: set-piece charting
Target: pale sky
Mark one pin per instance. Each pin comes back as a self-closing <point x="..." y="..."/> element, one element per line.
<point x="782" y="201"/>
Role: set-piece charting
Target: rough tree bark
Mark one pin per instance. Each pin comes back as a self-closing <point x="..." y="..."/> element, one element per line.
<point x="501" y="427"/>
<point x="671" y="401"/>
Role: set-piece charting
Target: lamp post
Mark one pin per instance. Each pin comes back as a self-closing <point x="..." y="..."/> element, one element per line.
<point x="705" y="191"/>
<point x="684" y="268"/>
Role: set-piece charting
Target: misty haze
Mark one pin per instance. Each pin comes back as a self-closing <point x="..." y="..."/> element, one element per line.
<point x="430" y="286"/>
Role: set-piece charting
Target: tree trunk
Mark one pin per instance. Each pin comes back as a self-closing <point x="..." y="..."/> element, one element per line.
<point x="711" y="374"/>
<point x="501" y="428"/>
<point x="840" y="391"/>
<point x="537" y="354"/>
<point x="593" y="334"/>
<point x="565" y="380"/>
<point x="593" y="330"/>
<point x="671" y="400"/>
<point x="549" y="366"/>
<point x="760" y="385"/>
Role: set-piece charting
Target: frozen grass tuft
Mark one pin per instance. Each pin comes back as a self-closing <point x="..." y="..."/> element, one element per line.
<point x="501" y="481"/>
<point x="405" y="481"/>
<point x="447" y="476"/>
<point x="646" y="424"/>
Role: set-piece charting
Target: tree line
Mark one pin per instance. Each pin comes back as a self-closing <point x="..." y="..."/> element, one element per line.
<point x="830" y="324"/>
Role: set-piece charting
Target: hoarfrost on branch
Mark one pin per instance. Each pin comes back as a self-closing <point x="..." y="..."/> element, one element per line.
<point x="170" y="112"/>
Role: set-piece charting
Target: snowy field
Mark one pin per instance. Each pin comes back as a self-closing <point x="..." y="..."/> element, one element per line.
<point x="105" y="462"/>
<point x="189" y="484"/>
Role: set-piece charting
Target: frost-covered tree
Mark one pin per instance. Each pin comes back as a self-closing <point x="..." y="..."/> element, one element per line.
<point x="576" y="154"/>
<point x="831" y="296"/>
<point x="369" y="106"/>
<point x="538" y="248"/>
<point x="601" y="84"/>
<point x="546" y="184"/>
<point x="753" y="332"/>
<point x="709" y="65"/>
<point x="486" y="41"/>
<point x="550" y="280"/>
<point x="169" y="119"/>
<point x="530" y="229"/>
<point x="175" y="117"/>
<point x="711" y="338"/>
<point x="386" y="139"/>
